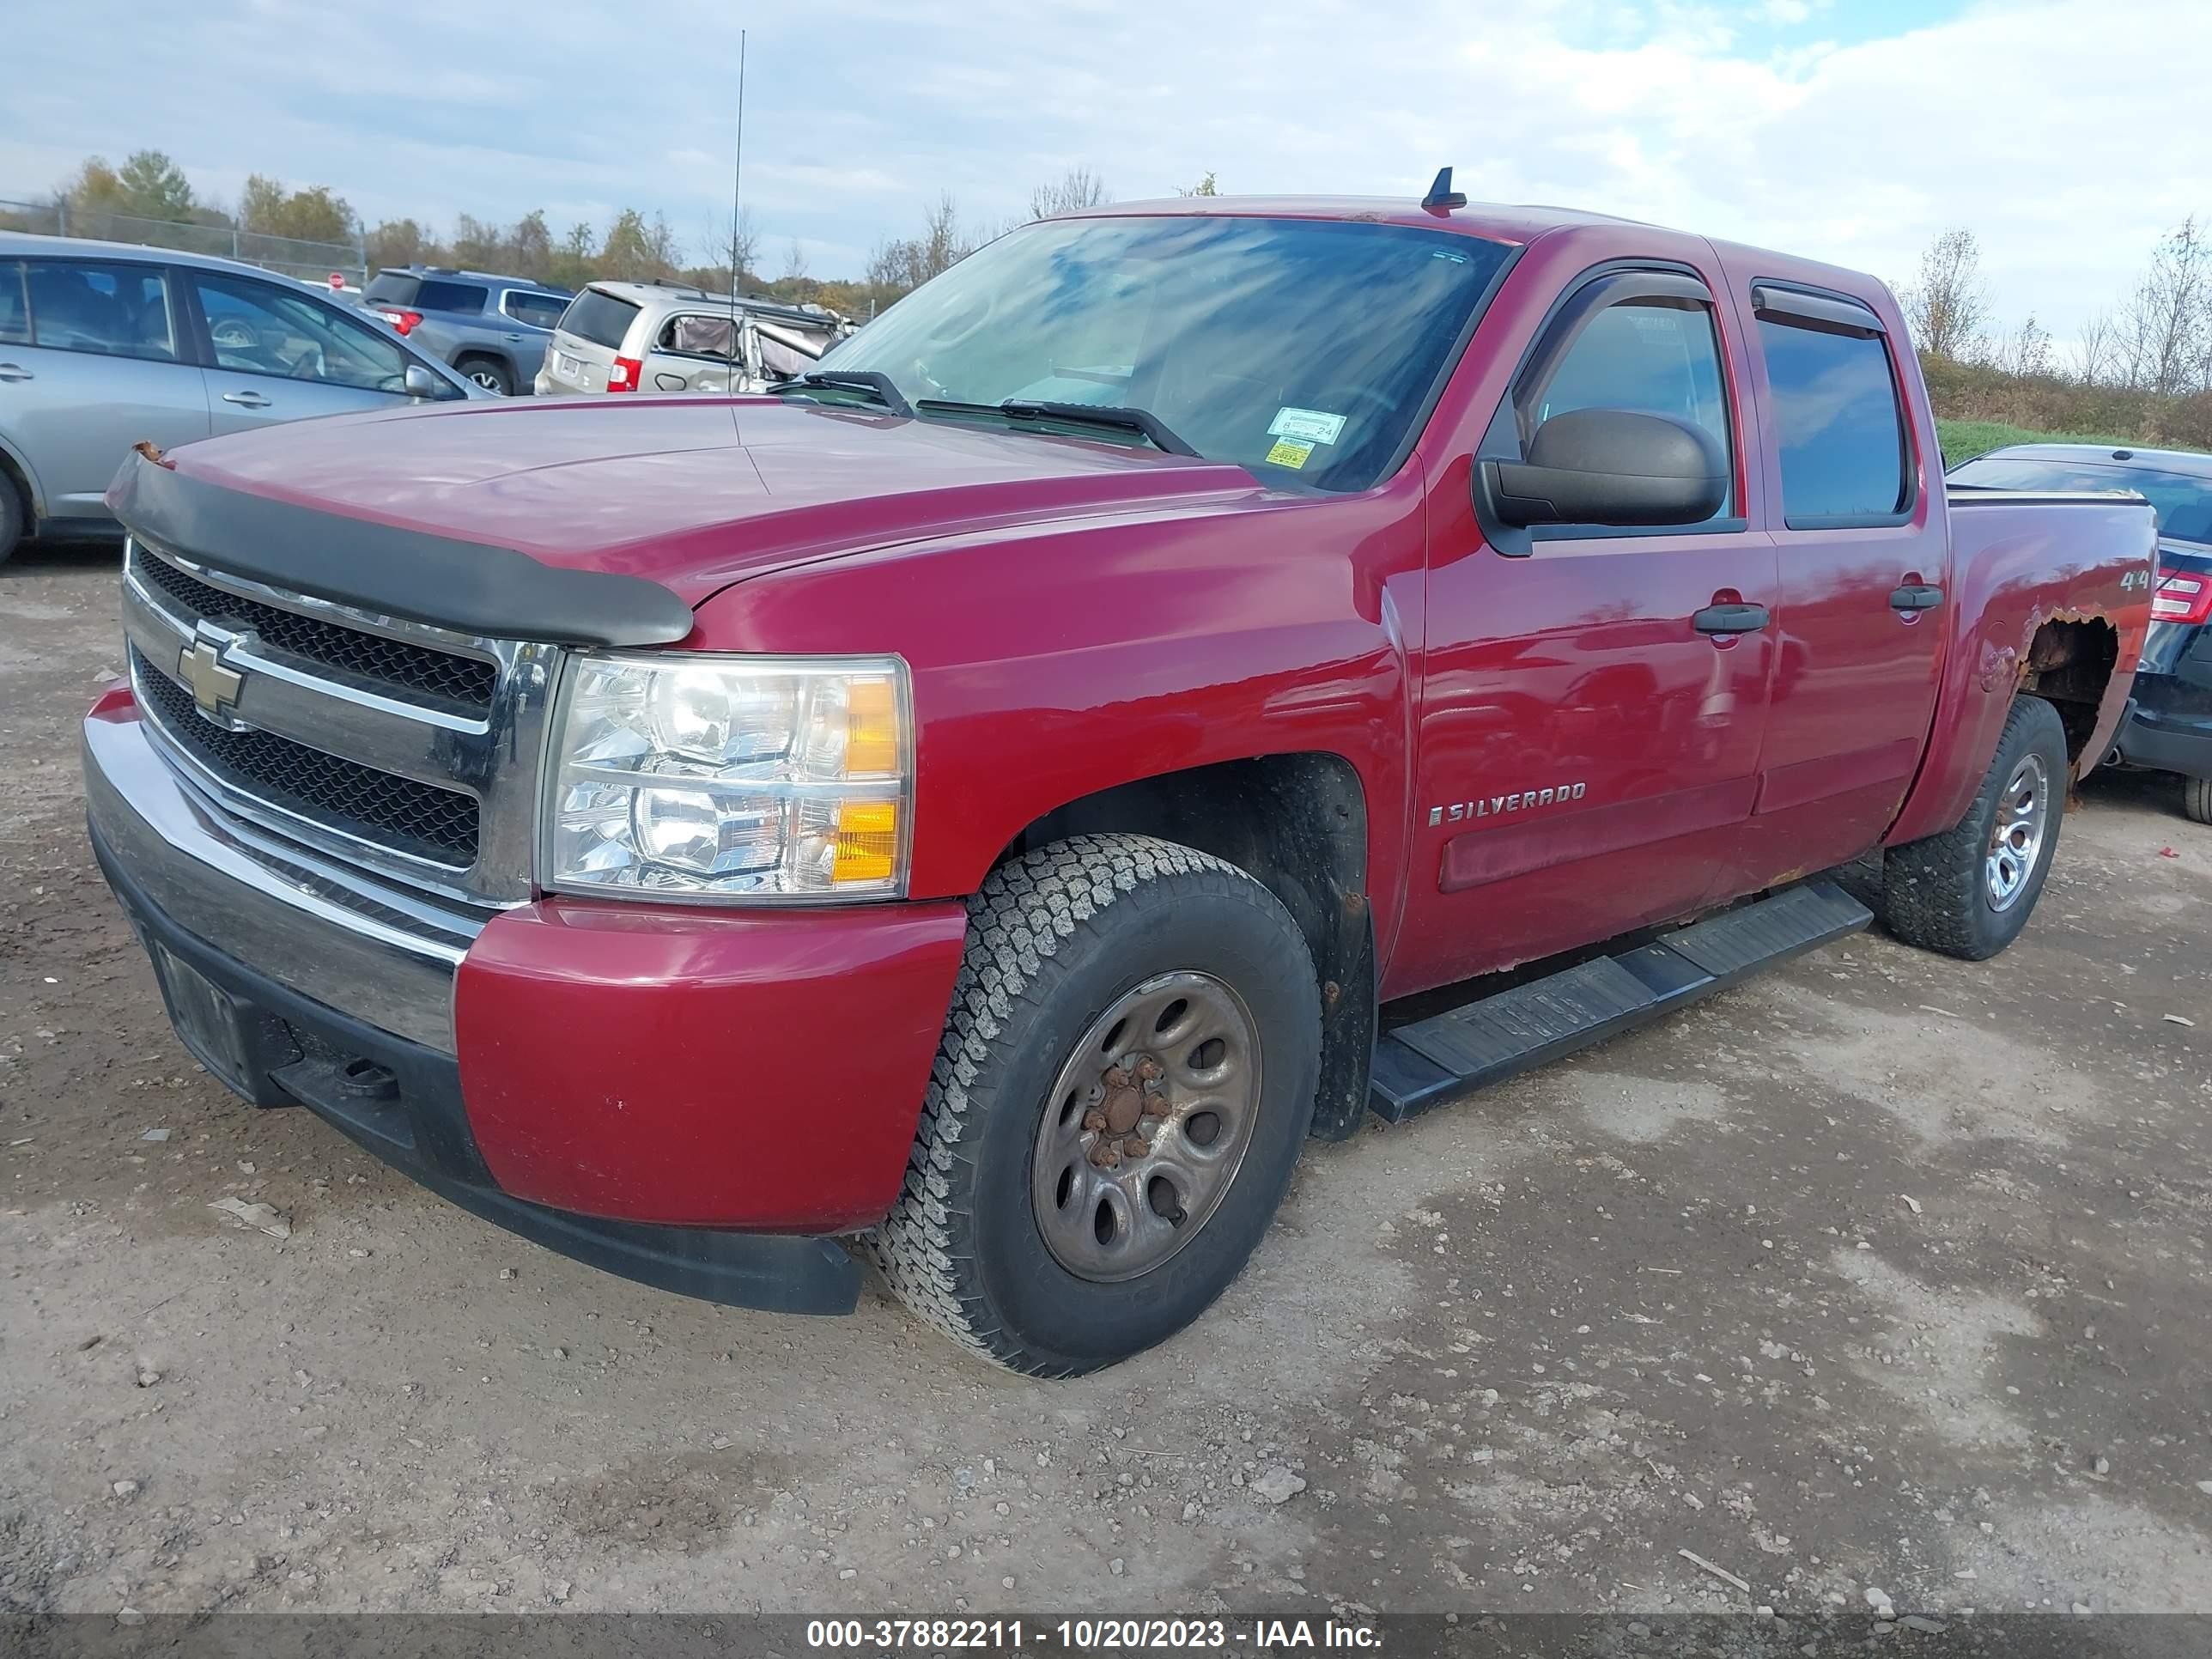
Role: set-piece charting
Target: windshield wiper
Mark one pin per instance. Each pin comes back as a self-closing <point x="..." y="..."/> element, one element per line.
<point x="872" y="381"/>
<point x="1142" y="422"/>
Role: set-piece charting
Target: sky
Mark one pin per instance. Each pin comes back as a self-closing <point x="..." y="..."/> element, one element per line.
<point x="2067" y="134"/>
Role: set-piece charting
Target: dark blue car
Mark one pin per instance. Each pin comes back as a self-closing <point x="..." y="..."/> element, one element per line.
<point x="2169" y="722"/>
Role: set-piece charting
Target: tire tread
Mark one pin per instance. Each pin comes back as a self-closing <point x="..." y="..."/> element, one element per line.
<point x="2197" y="799"/>
<point x="1931" y="892"/>
<point x="1025" y="913"/>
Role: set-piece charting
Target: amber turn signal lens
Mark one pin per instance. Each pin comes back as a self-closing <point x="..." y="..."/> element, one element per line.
<point x="867" y="841"/>
<point x="871" y="728"/>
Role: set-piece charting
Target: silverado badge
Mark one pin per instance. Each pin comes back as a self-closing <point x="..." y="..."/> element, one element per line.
<point x="1460" y="811"/>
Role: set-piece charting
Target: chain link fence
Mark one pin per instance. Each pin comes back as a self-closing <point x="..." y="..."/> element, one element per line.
<point x="313" y="262"/>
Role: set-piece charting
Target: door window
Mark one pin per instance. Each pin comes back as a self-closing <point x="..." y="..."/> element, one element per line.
<point x="1654" y="356"/>
<point x="1837" y="424"/>
<point x="464" y="299"/>
<point x="14" y="308"/>
<point x="116" y="310"/>
<point x="696" y="334"/>
<point x="257" y="329"/>
<point x="537" y="310"/>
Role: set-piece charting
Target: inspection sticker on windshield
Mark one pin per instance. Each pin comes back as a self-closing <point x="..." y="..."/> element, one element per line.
<point x="1287" y="453"/>
<point x="1306" y="426"/>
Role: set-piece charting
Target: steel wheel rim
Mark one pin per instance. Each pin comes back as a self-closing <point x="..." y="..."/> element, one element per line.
<point x="1147" y="1126"/>
<point x="2016" y="838"/>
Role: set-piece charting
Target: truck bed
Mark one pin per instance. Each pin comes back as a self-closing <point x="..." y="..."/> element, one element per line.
<point x="2021" y="559"/>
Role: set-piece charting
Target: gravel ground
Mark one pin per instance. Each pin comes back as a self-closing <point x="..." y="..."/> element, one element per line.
<point x="1883" y="1276"/>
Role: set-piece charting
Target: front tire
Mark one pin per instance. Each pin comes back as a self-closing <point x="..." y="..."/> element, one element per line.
<point x="1968" y="891"/>
<point x="2196" y="792"/>
<point x="1124" y="1082"/>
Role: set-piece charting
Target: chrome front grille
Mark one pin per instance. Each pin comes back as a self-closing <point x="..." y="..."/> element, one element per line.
<point x="409" y="751"/>
<point x="398" y="666"/>
<point x="439" y="824"/>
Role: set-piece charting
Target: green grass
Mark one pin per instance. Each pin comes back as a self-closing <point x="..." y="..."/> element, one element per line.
<point x="1964" y="440"/>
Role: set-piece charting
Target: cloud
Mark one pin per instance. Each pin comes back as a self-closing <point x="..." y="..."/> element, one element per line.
<point x="2036" y="124"/>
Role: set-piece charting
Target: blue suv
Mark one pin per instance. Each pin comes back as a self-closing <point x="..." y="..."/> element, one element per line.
<point x="492" y="329"/>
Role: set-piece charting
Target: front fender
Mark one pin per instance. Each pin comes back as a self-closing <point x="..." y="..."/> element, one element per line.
<point x="1051" y="662"/>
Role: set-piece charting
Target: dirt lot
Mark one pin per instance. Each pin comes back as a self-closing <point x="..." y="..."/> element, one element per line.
<point x="1884" y="1272"/>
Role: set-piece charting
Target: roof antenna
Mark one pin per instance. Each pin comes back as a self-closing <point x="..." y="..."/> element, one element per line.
<point x="1441" y="194"/>
<point x="737" y="197"/>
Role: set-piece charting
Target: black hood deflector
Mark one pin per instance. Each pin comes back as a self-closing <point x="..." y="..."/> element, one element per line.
<point x="469" y="587"/>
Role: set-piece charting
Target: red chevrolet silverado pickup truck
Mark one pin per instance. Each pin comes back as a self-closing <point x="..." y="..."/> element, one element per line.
<point x="978" y="805"/>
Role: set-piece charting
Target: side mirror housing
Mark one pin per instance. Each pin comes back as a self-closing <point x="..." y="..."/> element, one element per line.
<point x="1609" y="466"/>
<point x="421" y="382"/>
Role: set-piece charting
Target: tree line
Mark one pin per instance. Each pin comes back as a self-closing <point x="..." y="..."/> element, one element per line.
<point x="2140" y="369"/>
<point x="151" y="190"/>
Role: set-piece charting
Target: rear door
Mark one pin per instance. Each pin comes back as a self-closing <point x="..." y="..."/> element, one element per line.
<point x="525" y="321"/>
<point x="1864" y="565"/>
<point x="694" y="351"/>
<point x="93" y="359"/>
<point x="276" y="353"/>
<point x="1587" y="754"/>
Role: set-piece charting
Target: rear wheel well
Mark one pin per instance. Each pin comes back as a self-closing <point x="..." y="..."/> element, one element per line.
<point x="1298" y="823"/>
<point x="2069" y="664"/>
<point x="11" y="477"/>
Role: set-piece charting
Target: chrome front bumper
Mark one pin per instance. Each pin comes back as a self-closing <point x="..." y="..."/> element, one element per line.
<point x="376" y="951"/>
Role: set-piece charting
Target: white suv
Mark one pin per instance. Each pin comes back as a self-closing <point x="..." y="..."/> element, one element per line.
<point x="656" y="337"/>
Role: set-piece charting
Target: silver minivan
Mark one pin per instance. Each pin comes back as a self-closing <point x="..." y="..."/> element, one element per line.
<point x="660" y="336"/>
<point x="107" y="344"/>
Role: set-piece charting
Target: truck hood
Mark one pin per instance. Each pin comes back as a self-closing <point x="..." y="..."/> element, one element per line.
<point x="692" y="493"/>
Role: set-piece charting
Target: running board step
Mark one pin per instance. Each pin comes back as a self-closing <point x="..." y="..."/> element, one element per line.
<point x="1423" y="1065"/>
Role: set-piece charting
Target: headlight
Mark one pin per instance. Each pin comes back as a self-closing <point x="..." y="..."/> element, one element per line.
<point x="749" y="778"/>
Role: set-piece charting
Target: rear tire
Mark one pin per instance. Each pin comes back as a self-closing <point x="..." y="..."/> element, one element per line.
<point x="1041" y="1226"/>
<point x="2196" y="792"/>
<point x="489" y="372"/>
<point x="1969" y="891"/>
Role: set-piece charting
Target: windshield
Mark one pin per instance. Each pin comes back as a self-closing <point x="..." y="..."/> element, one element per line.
<point x="2183" y="504"/>
<point x="1304" y="349"/>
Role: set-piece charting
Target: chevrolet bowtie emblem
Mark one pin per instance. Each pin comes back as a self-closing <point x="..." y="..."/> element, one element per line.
<point x="214" y="687"/>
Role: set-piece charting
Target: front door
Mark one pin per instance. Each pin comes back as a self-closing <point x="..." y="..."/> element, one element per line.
<point x="278" y="354"/>
<point x="1863" y="568"/>
<point x="1587" y="753"/>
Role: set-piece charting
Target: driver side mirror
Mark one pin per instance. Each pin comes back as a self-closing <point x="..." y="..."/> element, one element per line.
<point x="1608" y="466"/>
<point x="420" y="381"/>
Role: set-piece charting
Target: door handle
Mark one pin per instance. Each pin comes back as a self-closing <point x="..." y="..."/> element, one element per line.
<point x="1916" y="596"/>
<point x="512" y="339"/>
<point x="16" y="372"/>
<point x="246" y="399"/>
<point x="1729" y="619"/>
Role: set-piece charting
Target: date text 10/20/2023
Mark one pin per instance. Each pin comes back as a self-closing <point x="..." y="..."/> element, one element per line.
<point x="1080" y="1635"/>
